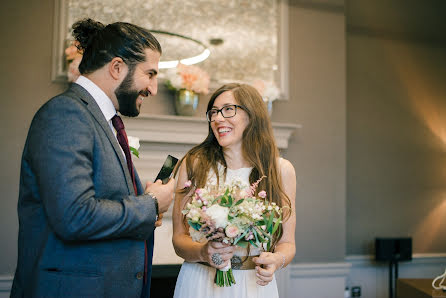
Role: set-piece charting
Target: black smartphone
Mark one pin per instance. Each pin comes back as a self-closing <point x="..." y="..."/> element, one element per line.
<point x="167" y="169"/>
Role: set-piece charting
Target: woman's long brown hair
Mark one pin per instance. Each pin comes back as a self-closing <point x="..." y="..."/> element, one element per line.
<point x="258" y="148"/>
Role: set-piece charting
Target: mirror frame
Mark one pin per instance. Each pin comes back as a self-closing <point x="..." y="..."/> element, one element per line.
<point x="59" y="75"/>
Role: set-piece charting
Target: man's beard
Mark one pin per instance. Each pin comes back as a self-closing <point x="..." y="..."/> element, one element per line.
<point x="127" y="96"/>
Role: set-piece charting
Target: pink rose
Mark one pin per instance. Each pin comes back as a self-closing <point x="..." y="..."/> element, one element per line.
<point x="262" y="194"/>
<point x="231" y="231"/>
<point x="199" y="192"/>
<point x="187" y="184"/>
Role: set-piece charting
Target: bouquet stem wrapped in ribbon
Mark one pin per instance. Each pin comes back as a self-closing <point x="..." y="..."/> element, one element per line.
<point x="233" y="214"/>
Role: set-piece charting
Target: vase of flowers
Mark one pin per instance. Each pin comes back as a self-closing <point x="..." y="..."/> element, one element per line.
<point x="188" y="82"/>
<point x="186" y="102"/>
<point x="269" y="93"/>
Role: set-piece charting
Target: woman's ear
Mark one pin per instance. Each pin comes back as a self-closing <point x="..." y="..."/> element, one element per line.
<point x="117" y="68"/>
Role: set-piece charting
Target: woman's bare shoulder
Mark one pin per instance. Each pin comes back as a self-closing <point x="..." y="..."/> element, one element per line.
<point x="286" y="167"/>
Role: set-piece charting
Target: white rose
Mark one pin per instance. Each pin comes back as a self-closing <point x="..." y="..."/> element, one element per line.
<point x="219" y="215"/>
<point x="194" y="214"/>
<point x="133" y="142"/>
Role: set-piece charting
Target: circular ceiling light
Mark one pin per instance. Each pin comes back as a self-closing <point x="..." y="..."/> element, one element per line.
<point x="180" y="46"/>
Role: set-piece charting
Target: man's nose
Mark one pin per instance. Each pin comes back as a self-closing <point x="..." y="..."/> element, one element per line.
<point x="153" y="87"/>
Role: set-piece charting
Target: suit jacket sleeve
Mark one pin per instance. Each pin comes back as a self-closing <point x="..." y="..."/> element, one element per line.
<point x="60" y="151"/>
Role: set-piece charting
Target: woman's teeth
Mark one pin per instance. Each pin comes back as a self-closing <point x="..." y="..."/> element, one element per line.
<point x="224" y="130"/>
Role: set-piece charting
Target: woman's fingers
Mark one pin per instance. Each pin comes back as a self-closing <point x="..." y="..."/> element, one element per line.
<point x="159" y="222"/>
<point x="264" y="276"/>
<point x="265" y="272"/>
<point x="262" y="283"/>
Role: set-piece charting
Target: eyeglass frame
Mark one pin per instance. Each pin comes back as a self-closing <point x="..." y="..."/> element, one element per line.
<point x="221" y="111"/>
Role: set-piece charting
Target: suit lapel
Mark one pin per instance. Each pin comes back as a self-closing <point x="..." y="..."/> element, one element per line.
<point x="96" y="112"/>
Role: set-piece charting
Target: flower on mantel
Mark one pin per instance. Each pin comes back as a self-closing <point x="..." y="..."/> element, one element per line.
<point x="268" y="90"/>
<point x="189" y="77"/>
<point x="73" y="57"/>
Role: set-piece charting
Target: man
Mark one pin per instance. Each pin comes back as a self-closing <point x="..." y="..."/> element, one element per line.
<point x="85" y="222"/>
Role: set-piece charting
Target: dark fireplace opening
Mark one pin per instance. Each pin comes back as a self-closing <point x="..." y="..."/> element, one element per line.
<point x="164" y="278"/>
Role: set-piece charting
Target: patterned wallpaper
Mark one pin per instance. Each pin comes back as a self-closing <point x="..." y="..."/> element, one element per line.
<point x="248" y="30"/>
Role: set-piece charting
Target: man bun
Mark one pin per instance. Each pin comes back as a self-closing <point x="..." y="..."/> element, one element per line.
<point x="86" y="30"/>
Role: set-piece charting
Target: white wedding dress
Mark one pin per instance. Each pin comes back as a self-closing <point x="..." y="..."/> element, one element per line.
<point x="197" y="280"/>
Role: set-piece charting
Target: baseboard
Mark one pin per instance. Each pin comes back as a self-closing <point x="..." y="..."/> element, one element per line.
<point x="373" y="277"/>
<point x="5" y="285"/>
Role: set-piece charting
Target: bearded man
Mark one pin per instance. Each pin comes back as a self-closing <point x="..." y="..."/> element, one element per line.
<point x="86" y="223"/>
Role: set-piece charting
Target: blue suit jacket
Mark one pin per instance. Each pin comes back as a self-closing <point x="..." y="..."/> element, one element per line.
<point x="81" y="226"/>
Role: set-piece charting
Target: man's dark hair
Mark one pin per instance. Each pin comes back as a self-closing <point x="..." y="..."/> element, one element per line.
<point x="99" y="44"/>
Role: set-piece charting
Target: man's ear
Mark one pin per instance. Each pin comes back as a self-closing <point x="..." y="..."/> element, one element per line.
<point x="117" y="68"/>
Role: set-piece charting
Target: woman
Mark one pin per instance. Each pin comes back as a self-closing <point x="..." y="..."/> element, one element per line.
<point x="240" y="145"/>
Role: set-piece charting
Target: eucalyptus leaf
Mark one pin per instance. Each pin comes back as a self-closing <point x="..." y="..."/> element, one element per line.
<point x="242" y="244"/>
<point x="239" y="202"/>
<point x="276" y="226"/>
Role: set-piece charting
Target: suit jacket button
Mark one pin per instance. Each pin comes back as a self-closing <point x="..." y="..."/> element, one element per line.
<point x="139" y="275"/>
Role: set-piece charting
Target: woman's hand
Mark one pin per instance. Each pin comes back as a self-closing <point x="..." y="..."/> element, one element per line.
<point x="220" y="251"/>
<point x="159" y="221"/>
<point x="270" y="262"/>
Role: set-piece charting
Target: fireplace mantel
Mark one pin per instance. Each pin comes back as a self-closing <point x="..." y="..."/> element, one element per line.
<point x="187" y="130"/>
<point x="161" y="135"/>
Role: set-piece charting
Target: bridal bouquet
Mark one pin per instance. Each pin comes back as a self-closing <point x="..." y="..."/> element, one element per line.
<point x="234" y="215"/>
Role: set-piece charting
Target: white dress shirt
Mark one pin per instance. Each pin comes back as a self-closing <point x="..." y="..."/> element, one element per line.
<point x="104" y="102"/>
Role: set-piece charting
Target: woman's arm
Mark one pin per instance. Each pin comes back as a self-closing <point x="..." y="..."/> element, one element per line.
<point x="184" y="246"/>
<point x="285" y="248"/>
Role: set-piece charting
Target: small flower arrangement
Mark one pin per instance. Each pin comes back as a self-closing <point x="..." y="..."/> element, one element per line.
<point x="73" y="57"/>
<point x="268" y="90"/>
<point x="234" y="215"/>
<point x="134" y="145"/>
<point x="189" y="77"/>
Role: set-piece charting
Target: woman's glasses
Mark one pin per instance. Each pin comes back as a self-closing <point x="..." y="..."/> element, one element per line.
<point x="227" y="111"/>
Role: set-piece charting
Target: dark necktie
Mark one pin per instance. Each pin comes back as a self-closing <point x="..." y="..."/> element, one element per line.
<point x="123" y="141"/>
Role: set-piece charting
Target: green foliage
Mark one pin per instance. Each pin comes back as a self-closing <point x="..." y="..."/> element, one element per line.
<point x="134" y="151"/>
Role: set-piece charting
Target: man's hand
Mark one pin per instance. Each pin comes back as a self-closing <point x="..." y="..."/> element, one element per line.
<point x="163" y="192"/>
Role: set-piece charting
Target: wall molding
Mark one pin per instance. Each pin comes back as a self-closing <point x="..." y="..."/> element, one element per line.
<point x="327" y="6"/>
<point x="319" y="269"/>
<point x="5" y="285"/>
<point x="394" y="35"/>
<point x="417" y="259"/>
<point x="302" y="280"/>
